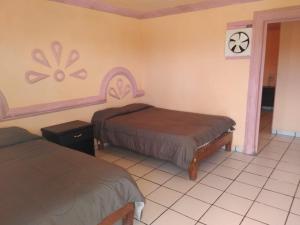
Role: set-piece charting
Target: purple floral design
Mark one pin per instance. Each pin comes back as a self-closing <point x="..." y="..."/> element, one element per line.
<point x="58" y="73"/>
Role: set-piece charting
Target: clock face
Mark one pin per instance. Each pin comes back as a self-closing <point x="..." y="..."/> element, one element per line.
<point x="238" y="42"/>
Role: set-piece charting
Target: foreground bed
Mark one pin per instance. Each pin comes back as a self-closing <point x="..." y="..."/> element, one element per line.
<point x="42" y="183"/>
<point x="181" y="137"/>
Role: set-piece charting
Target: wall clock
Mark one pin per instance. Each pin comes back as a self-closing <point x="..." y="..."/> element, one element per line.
<point x="238" y="42"/>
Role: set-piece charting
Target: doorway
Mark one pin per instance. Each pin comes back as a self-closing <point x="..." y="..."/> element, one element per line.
<point x="260" y="25"/>
<point x="269" y="84"/>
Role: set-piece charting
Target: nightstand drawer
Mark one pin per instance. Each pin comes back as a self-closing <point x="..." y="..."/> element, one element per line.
<point x="78" y="135"/>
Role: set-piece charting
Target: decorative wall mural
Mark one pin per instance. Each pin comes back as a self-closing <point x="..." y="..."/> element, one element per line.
<point x="57" y="73"/>
<point x="238" y="42"/>
<point x="125" y="84"/>
<point x="120" y="91"/>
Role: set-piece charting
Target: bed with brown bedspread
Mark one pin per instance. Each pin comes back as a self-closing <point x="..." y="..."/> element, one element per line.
<point x="183" y="138"/>
<point x="42" y="183"/>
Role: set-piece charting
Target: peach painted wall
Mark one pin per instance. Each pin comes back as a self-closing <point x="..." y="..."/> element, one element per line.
<point x="272" y="51"/>
<point x="178" y="60"/>
<point x="103" y="41"/>
<point x="186" y="68"/>
<point x="287" y="107"/>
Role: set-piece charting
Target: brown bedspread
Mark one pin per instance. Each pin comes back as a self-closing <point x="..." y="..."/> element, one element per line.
<point x="161" y="133"/>
<point x="42" y="183"/>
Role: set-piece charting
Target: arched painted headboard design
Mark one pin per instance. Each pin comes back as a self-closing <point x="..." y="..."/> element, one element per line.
<point x="121" y="71"/>
<point x="7" y="113"/>
<point x="3" y="106"/>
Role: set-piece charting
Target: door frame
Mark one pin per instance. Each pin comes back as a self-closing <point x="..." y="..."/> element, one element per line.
<point x="257" y="59"/>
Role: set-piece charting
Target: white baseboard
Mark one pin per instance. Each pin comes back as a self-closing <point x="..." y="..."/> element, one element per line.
<point x="284" y="132"/>
<point x="234" y="148"/>
<point x="268" y="108"/>
<point x="237" y="148"/>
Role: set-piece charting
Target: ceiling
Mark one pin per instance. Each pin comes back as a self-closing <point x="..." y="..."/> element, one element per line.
<point x="149" y="5"/>
<point x="142" y="9"/>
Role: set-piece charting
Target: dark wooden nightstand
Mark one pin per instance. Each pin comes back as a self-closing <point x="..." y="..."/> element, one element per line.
<point x="75" y="134"/>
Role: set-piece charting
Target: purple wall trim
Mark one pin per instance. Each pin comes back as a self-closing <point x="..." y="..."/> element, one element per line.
<point x="122" y="72"/>
<point x="120" y="91"/>
<point x="7" y="113"/>
<point x="193" y="7"/>
<point x="106" y="7"/>
<point x="261" y="21"/>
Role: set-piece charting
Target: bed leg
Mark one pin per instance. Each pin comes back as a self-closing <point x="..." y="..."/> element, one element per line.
<point x="128" y="219"/>
<point x="193" y="169"/>
<point x="100" y="145"/>
<point x="228" y="146"/>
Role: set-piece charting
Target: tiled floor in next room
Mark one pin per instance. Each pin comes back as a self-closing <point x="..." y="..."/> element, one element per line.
<point x="232" y="188"/>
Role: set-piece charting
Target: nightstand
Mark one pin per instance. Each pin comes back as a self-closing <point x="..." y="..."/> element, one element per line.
<point x="76" y="134"/>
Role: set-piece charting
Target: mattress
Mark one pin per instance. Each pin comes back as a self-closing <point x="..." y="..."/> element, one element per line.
<point x="42" y="183"/>
<point x="161" y="133"/>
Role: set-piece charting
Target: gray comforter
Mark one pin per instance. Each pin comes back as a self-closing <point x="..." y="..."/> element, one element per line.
<point x="162" y="133"/>
<point x="42" y="183"/>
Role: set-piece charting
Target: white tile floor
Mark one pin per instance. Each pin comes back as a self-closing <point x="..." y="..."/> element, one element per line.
<point x="232" y="188"/>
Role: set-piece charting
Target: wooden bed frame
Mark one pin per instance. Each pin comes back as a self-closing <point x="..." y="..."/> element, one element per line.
<point x="224" y="140"/>
<point x="126" y="214"/>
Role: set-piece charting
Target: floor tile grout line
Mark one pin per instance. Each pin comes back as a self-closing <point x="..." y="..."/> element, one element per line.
<point x="169" y="208"/>
<point x="298" y="188"/>
<point x="262" y="203"/>
<point x="142" y="177"/>
<point x="289" y="172"/>
<point x="165" y="210"/>
<point x="262" y="188"/>
<point x="277" y="191"/>
<point x="211" y="172"/>
<point x="240" y="196"/>
<point x="223" y="191"/>
<point x="289" y="212"/>
<point x="188" y="191"/>
<point x="217" y="165"/>
<point x="269" y="141"/>
<point x="161" y="185"/>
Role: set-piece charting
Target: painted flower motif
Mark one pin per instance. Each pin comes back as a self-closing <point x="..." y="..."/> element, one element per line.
<point x="58" y="74"/>
<point x="120" y="91"/>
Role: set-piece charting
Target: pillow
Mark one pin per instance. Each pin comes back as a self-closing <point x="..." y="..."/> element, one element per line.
<point x="15" y="135"/>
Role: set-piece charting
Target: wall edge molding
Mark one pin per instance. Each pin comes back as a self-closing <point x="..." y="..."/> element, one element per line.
<point x="106" y="7"/>
<point x="260" y="22"/>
